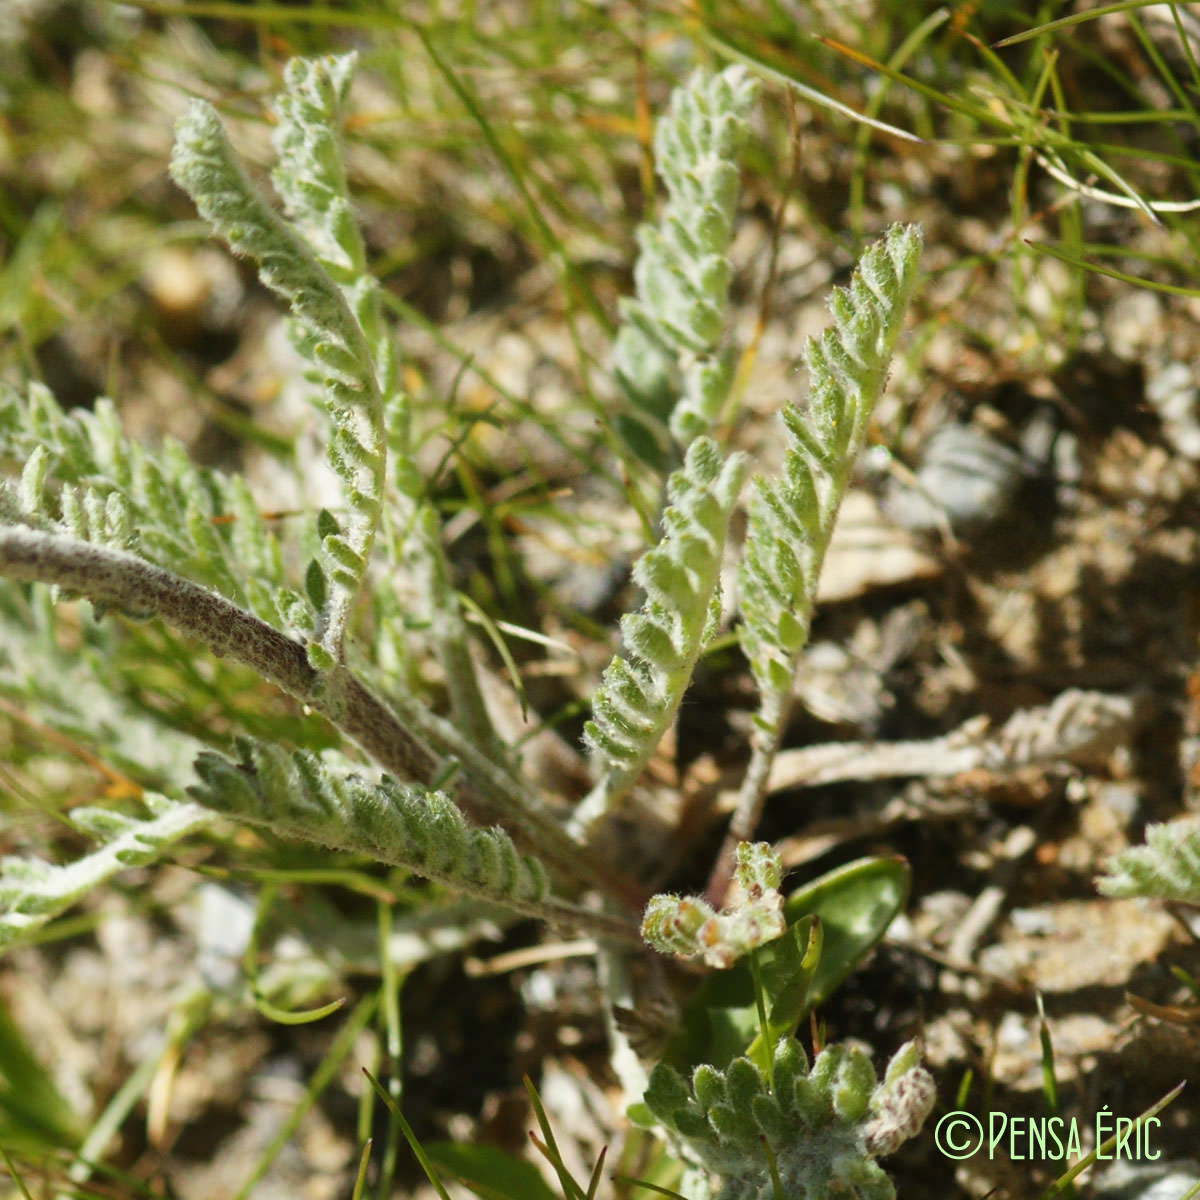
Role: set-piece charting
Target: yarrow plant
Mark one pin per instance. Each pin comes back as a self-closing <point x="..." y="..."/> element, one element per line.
<point x="794" y="1130"/>
<point x="146" y="534"/>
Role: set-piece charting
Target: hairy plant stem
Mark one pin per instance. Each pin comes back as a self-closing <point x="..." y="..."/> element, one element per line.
<point x="115" y="579"/>
<point x="752" y="795"/>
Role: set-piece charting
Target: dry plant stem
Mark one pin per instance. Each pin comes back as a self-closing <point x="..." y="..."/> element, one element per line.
<point x="1078" y="726"/>
<point x="116" y="579"/>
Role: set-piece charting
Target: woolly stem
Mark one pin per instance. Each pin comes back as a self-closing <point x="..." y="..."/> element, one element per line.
<point x="118" y="580"/>
<point x="752" y="795"/>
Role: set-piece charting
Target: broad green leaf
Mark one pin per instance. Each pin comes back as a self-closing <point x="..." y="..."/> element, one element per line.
<point x="856" y="903"/>
<point x="34" y="1116"/>
<point x="787" y="966"/>
<point x="490" y="1172"/>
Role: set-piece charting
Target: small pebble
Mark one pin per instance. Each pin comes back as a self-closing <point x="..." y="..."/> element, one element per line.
<point x="965" y="479"/>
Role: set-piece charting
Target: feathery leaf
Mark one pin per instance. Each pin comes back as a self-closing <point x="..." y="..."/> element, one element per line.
<point x="668" y="354"/>
<point x="84" y="477"/>
<point x="1166" y="867"/>
<point x="294" y="794"/>
<point x="327" y="331"/>
<point x="642" y="691"/>
<point x="33" y="891"/>
<point x="792" y="517"/>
